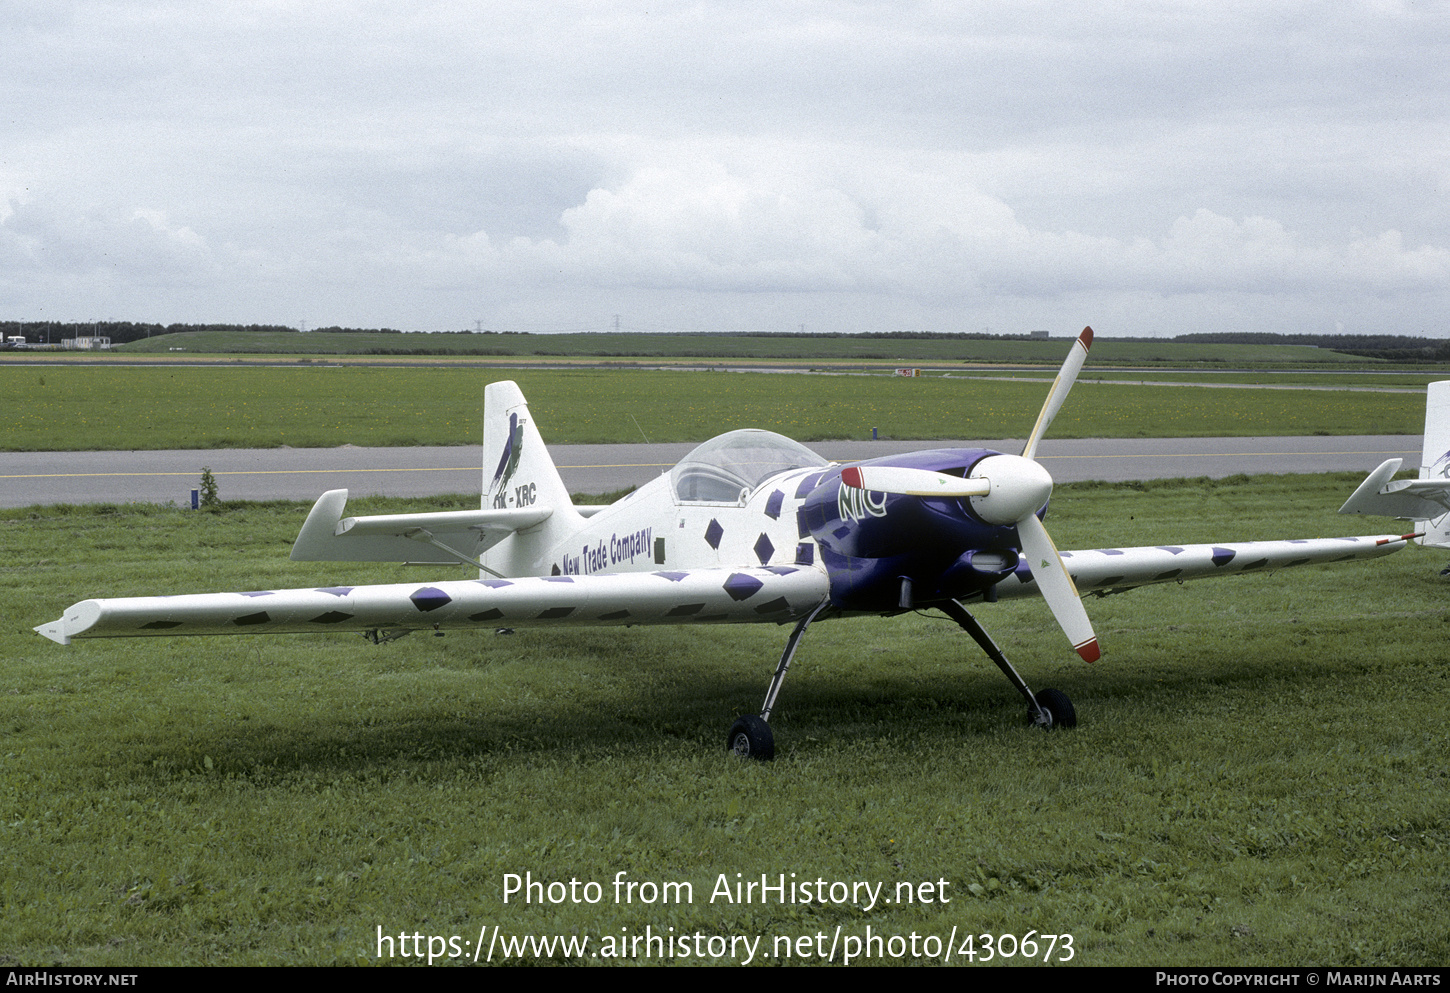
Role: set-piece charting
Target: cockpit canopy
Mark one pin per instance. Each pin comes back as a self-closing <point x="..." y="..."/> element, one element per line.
<point x="727" y="468"/>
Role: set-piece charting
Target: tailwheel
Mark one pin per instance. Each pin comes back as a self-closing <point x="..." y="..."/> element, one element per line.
<point x="1057" y="707"/>
<point x="750" y="737"/>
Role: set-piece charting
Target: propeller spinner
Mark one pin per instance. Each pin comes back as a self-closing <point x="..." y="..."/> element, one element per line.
<point x="1010" y="489"/>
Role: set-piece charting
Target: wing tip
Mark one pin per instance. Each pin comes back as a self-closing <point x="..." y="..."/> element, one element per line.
<point x="55" y="631"/>
<point x="1086" y="338"/>
<point x="1089" y="650"/>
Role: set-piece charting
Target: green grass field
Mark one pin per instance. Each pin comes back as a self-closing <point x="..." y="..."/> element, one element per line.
<point x="105" y="408"/>
<point x="1246" y="377"/>
<point x="1259" y="776"/>
<point x="851" y="348"/>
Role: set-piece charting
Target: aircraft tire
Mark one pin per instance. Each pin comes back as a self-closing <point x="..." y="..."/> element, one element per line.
<point x="1056" y="703"/>
<point x="750" y="737"/>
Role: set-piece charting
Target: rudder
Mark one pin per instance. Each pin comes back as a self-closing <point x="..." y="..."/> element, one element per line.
<point x="1435" y="456"/>
<point x="519" y="474"/>
<point x="517" y="469"/>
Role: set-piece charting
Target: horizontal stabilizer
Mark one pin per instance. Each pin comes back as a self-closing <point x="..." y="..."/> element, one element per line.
<point x="446" y="536"/>
<point x="1412" y="499"/>
<point x="779" y="593"/>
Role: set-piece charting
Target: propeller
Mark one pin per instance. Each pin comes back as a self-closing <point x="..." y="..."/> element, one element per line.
<point x="912" y="482"/>
<point x="1009" y="489"/>
<point x="1061" y="386"/>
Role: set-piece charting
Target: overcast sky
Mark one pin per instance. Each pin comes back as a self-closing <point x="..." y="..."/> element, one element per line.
<point x="1146" y="168"/>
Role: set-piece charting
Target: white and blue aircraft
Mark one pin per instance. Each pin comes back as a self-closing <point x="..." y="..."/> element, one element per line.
<point x="751" y="527"/>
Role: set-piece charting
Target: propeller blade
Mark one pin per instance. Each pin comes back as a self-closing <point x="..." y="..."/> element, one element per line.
<point x="1061" y="386"/>
<point x="1057" y="587"/>
<point x="912" y="482"/>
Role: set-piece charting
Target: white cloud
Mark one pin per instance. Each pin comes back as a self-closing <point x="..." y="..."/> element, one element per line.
<point x="889" y="165"/>
<point x="707" y="227"/>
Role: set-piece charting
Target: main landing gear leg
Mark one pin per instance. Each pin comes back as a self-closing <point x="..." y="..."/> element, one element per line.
<point x="750" y="736"/>
<point x="1048" y="709"/>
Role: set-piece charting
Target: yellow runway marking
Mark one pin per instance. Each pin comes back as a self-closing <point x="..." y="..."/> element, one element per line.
<point x="294" y="472"/>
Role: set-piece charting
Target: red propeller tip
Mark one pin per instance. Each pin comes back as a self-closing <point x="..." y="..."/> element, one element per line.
<point x="1086" y="338"/>
<point x="1089" y="651"/>
<point x="851" y="476"/>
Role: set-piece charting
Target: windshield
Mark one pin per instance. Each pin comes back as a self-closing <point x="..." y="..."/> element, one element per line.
<point x="725" y="469"/>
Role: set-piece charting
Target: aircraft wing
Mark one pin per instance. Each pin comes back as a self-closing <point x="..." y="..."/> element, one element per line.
<point x="775" y="593"/>
<point x="1117" y="570"/>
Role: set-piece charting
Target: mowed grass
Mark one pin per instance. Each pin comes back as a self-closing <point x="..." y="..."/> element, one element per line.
<point x="1259" y="775"/>
<point x="1245" y="377"/>
<point x="91" y="408"/>
<point x="788" y="348"/>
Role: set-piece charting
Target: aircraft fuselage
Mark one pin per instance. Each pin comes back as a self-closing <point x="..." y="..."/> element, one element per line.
<point x="883" y="552"/>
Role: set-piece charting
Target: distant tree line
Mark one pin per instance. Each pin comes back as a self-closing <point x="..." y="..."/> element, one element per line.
<point x="1391" y="347"/>
<point x="118" y="331"/>
<point x="1403" y="348"/>
<point x="337" y="330"/>
<point x="1396" y="348"/>
<point x="1337" y="342"/>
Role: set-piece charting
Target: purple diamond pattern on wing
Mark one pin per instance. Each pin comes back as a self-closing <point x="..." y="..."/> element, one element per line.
<point x="714" y="533"/>
<point x="742" y="587"/>
<point x="1223" y="556"/>
<point x="335" y="590"/>
<point x="430" y="598"/>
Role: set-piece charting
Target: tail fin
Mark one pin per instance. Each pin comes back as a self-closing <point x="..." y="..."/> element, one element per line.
<point x="1435" y="456"/>
<point x="1426" y="500"/>
<point x="517" y="469"/>
<point x="519" y="474"/>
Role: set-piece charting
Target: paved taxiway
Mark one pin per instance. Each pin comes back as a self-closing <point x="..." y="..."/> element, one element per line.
<point x="303" y="473"/>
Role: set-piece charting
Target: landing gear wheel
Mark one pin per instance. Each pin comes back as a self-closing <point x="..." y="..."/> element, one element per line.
<point x="1056" y="703"/>
<point x="750" y="737"/>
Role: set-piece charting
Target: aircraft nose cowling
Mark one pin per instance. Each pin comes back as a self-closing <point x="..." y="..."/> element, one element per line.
<point x="1019" y="488"/>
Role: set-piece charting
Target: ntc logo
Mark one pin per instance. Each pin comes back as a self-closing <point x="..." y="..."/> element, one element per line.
<point x="854" y="505"/>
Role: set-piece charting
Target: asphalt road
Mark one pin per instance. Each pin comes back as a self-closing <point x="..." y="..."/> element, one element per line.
<point x="303" y="473"/>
